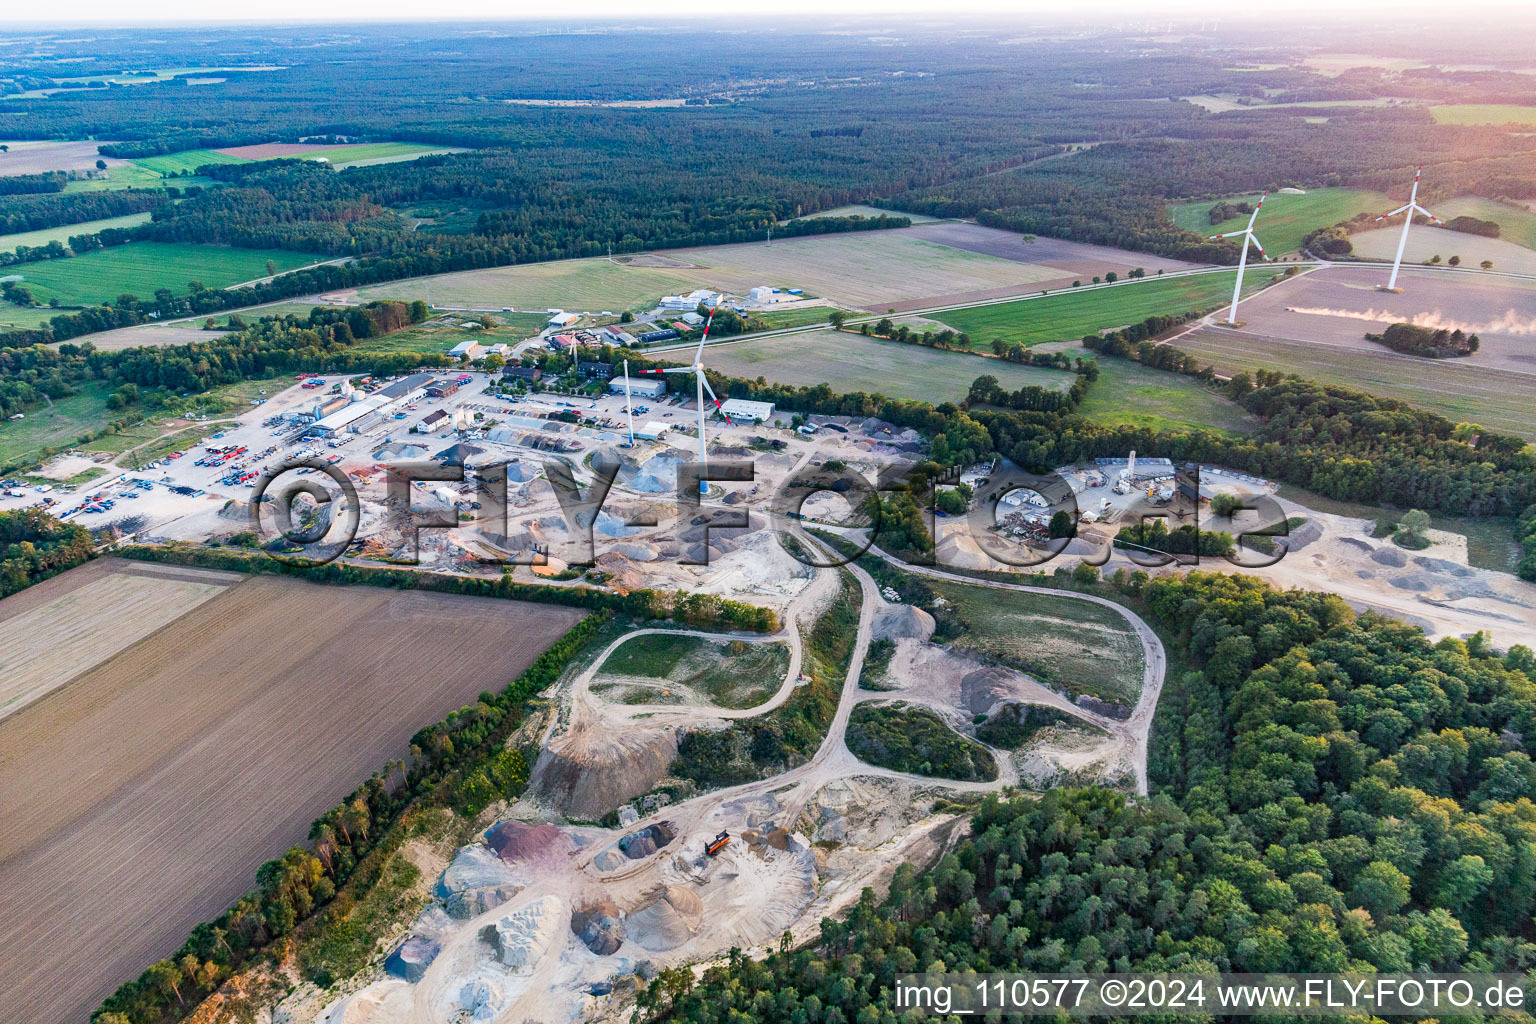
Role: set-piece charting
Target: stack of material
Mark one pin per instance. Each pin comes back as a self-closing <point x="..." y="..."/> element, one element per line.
<point x="668" y="921"/>
<point x="413" y="958"/>
<point x="474" y="902"/>
<point x="523" y="936"/>
<point x="600" y="927"/>
<point x="516" y="841"/>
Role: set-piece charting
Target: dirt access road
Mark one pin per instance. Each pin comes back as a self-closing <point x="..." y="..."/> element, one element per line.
<point x="141" y="795"/>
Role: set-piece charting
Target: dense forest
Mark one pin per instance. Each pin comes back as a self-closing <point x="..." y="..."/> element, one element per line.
<point x="1331" y="793"/>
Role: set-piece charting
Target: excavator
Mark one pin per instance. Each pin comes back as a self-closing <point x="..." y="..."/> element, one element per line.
<point x="719" y="844"/>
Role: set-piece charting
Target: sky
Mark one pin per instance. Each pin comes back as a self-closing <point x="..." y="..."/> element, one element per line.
<point x="114" y="12"/>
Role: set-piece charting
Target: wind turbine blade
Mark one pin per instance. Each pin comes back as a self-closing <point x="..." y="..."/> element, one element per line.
<point x="1395" y="212"/>
<point x="1256" y="209"/>
<point x="1432" y="218"/>
<point x="1232" y="234"/>
<point x="716" y="400"/>
<point x="699" y="355"/>
<point x="1253" y="238"/>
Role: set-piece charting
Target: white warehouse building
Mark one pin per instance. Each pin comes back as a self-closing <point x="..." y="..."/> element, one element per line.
<point x="638" y="388"/>
<point x="746" y="411"/>
<point x="764" y="295"/>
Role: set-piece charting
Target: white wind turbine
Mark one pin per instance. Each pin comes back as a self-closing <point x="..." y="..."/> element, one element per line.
<point x="1242" y="262"/>
<point x="1411" y="207"/>
<point x="629" y="408"/>
<point x="702" y="385"/>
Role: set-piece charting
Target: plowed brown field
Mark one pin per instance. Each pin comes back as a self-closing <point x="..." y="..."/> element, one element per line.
<point x="140" y="797"/>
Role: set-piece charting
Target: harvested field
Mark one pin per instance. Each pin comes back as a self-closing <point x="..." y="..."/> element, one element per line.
<point x="1072" y="259"/>
<point x="852" y="362"/>
<point x="153" y="335"/>
<point x="33" y="157"/>
<point x="1338" y="305"/>
<point x="1426" y="241"/>
<point x="48" y="644"/>
<point x="1457" y="389"/>
<point x="207" y="748"/>
<point x="569" y="284"/>
<point x="871" y="269"/>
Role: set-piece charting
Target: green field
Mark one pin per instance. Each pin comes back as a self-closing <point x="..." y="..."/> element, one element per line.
<point x="187" y="160"/>
<point x="131" y="176"/>
<point x="1497" y="399"/>
<point x="1070" y="645"/>
<point x="860" y="210"/>
<point x="1285" y="219"/>
<point x="26" y="316"/>
<point x="1484" y="113"/>
<point x="778" y="318"/>
<point x="52" y="426"/>
<point x="851" y="362"/>
<point x="375" y="153"/>
<point x="1516" y="225"/>
<point x="1067" y="316"/>
<point x="62" y="234"/>
<point x="139" y="268"/>
<point x="1133" y="395"/>
<point x="728" y="674"/>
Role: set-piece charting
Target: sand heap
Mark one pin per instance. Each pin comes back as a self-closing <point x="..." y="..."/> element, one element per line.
<point x="516" y="841"/>
<point x="475" y="868"/>
<point x="641" y="844"/>
<point x="901" y="621"/>
<point x="594" y="770"/>
<point x="600" y="926"/>
<point x="777" y="838"/>
<point x="983" y="688"/>
<point x="469" y="903"/>
<point x="668" y="921"/>
<point x="413" y="958"/>
<point x="525" y="935"/>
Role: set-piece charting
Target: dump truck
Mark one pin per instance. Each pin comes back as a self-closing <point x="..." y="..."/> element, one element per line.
<point x="719" y="844"/>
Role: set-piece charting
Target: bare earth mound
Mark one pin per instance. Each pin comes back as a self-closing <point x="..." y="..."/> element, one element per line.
<point x="669" y="921"/>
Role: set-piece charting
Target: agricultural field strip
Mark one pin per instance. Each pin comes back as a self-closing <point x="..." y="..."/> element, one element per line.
<point x="45" y="647"/>
<point x="1499" y="400"/>
<point x="179" y="789"/>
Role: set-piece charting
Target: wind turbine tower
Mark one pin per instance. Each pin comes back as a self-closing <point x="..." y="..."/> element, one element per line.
<point x="702" y="385"/>
<point x="629" y="408"/>
<point x="1242" y="262"/>
<point x="1411" y="207"/>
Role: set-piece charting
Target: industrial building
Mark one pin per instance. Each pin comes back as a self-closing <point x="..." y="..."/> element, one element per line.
<point x="441" y="388"/>
<point x="747" y="411"/>
<point x="654" y="336"/>
<point x="691" y="300"/>
<point x="434" y="420"/>
<point x="638" y="388"/>
<point x="651" y="430"/>
<point x="465" y="350"/>
<point x="619" y="336"/>
<point x="365" y="413"/>
<point x="560" y="318"/>
<point x="764" y="296"/>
